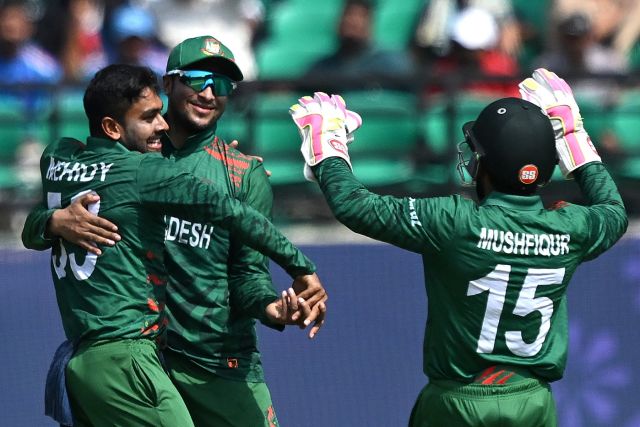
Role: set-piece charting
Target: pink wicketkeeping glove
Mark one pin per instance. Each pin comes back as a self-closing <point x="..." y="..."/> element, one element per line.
<point x="554" y="96"/>
<point x="326" y="127"/>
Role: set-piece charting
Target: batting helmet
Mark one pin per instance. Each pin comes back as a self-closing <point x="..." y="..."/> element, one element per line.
<point x="514" y="141"/>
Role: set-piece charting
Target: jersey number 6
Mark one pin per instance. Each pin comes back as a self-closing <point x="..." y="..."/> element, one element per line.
<point x="80" y="271"/>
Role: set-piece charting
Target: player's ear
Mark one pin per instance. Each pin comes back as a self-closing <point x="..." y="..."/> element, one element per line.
<point x="167" y="83"/>
<point x="111" y="128"/>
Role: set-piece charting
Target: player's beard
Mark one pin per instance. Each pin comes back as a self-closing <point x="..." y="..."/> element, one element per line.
<point x="181" y="120"/>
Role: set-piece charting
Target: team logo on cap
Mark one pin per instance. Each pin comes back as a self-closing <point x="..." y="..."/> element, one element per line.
<point x="211" y="47"/>
<point x="528" y="174"/>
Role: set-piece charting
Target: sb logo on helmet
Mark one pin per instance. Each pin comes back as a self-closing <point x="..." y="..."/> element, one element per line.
<point x="528" y="174"/>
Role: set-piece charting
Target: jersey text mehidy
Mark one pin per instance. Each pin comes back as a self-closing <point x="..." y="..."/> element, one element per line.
<point x="59" y="170"/>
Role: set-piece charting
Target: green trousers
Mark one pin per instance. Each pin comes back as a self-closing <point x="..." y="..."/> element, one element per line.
<point x="526" y="403"/>
<point x="122" y="384"/>
<point x="218" y="402"/>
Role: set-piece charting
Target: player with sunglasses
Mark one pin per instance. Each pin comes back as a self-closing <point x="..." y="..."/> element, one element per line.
<point x="213" y="359"/>
<point x="217" y="285"/>
<point x="200" y="80"/>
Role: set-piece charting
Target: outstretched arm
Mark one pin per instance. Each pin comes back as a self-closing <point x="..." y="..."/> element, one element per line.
<point x="173" y="191"/>
<point x="250" y="285"/>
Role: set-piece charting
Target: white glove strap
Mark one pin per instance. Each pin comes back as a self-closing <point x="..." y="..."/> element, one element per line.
<point x="308" y="173"/>
<point x="575" y="150"/>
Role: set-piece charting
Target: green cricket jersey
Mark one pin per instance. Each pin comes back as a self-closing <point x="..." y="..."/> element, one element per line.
<point x="121" y="294"/>
<point x="218" y="287"/>
<point x="496" y="274"/>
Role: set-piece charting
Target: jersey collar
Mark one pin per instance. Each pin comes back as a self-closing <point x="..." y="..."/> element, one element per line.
<point x="193" y="143"/>
<point x="105" y="145"/>
<point x="511" y="201"/>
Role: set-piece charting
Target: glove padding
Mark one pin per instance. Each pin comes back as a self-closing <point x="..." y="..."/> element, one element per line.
<point x="554" y="96"/>
<point x="326" y="127"/>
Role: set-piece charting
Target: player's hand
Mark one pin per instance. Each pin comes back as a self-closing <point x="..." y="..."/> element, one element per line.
<point x="235" y="143"/>
<point x="282" y="311"/>
<point x="310" y="289"/>
<point x="553" y="94"/>
<point x="325" y="126"/>
<point x="77" y="225"/>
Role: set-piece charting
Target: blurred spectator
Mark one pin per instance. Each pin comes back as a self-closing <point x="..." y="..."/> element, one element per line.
<point x="133" y="33"/>
<point x="24" y="62"/>
<point x="433" y="33"/>
<point x="577" y="52"/>
<point x="356" y="55"/>
<point x="605" y="15"/>
<point x="616" y="23"/>
<point x="474" y="55"/>
<point x="71" y="31"/>
<point x="233" y="22"/>
<point x="21" y="60"/>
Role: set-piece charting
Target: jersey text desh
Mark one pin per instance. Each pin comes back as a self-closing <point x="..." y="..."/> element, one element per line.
<point x="218" y="285"/>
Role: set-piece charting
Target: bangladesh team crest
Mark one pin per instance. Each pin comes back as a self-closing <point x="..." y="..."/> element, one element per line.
<point x="212" y="48"/>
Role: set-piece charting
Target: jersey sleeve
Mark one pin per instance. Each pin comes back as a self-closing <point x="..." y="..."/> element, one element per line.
<point x="250" y="286"/>
<point x="418" y="225"/>
<point x="607" y="217"/>
<point x="33" y="232"/>
<point x="176" y="192"/>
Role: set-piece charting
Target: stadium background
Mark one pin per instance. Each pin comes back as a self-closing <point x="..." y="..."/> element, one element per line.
<point x="365" y="366"/>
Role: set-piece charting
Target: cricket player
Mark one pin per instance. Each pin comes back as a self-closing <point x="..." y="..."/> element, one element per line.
<point x="497" y="270"/>
<point x="214" y="359"/>
<point x="217" y="285"/>
<point x="112" y="306"/>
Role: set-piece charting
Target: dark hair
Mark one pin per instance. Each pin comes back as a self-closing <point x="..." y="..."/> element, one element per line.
<point x="113" y="90"/>
<point x="366" y="4"/>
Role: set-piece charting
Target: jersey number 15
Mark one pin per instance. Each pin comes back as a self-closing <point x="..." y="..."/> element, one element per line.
<point x="495" y="283"/>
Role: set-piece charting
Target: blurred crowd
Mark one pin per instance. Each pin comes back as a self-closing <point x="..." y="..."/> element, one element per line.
<point x="49" y="41"/>
<point x="488" y="44"/>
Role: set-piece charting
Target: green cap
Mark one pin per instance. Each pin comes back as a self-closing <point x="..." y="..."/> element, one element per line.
<point x="204" y="53"/>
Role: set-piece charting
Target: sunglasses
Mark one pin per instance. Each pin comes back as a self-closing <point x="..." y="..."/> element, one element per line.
<point x="200" y="80"/>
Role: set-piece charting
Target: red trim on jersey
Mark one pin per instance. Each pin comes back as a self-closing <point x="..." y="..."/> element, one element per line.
<point x="152" y="305"/>
<point x="558" y="205"/>
<point x="242" y="164"/>
<point x="152" y="278"/>
<point x="485" y="373"/>
<point x="493" y="377"/>
<point x="152" y="328"/>
<point x="505" y="378"/>
<point x="271" y="416"/>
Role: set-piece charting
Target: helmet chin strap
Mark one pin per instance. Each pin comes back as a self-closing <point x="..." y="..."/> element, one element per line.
<point x="483" y="183"/>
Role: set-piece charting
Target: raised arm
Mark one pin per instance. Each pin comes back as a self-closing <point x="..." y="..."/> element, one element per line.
<point x="578" y="158"/>
<point x="325" y="126"/>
